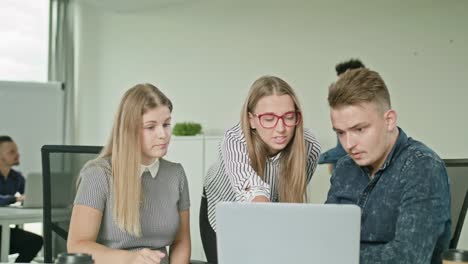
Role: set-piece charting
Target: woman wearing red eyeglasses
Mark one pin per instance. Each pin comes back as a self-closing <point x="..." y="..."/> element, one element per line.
<point x="268" y="157"/>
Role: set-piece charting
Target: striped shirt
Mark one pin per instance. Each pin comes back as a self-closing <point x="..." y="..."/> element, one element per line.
<point x="230" y="177"/>
<point x="164" y="196"/>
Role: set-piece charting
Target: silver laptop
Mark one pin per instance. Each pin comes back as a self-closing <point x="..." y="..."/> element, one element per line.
<point x="63" y="196"/>
<point x="280" y="233"/>
<point x="33" y="190"/>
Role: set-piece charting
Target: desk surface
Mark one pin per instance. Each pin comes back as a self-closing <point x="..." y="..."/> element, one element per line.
<point x="20" y="215"/>
<point x="12" y="216"/>
<point x="14" y="213"/>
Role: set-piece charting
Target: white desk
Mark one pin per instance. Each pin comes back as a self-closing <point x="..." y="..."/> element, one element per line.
<point x="15" y="216"/>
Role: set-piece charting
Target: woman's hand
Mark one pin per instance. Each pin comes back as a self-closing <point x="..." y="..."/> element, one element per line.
<point x="147" y="256"/>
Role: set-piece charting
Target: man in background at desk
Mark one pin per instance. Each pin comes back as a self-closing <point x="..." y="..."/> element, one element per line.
<point x="399" y="183"/>
<point x="25" y="243"/>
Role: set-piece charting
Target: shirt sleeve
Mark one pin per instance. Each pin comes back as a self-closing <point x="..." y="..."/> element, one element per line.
<point x="331" y="196"/>
<point x="245" y="182"/>
<point x="338" y="183"/>
<point x="93" y="188"/>
<point x="184" y="195"/>
<point x="313" y="149"/>
<point x="7" y="199"/>
<point x="424" y="212"/>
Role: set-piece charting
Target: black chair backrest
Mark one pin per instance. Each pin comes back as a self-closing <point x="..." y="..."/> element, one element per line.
<point x="459" y="225"/>
<point x="457" y="170"/>
<point x="61" y="165"/>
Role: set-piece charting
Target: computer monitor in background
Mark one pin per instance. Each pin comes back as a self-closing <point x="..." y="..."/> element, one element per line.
<point x="457" y="170"/>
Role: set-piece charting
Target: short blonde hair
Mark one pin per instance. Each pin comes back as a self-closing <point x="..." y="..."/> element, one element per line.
<point x="358" y="86"/>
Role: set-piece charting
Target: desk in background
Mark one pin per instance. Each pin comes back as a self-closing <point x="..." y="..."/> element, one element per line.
<point x="15" y="216"/>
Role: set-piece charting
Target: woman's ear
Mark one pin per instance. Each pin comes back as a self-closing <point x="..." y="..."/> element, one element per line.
<point x="252" y="121"/>
<point x="391" y="119"/>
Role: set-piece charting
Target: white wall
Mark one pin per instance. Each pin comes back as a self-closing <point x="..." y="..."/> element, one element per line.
<point x="205" y="54"/>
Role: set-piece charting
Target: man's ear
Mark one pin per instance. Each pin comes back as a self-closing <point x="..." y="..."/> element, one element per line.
<point x="391" y="119"/>
<point x="252" y="121"/>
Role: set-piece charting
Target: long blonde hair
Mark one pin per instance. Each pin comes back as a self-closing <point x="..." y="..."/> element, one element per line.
<point x="292" y="179"/>
<point x="124" y="148"/>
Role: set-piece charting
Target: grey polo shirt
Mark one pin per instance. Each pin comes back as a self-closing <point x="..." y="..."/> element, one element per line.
<point x="163" y="197"/>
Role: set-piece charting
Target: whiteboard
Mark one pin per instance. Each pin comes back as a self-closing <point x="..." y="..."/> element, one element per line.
<point x="33" y="115"/>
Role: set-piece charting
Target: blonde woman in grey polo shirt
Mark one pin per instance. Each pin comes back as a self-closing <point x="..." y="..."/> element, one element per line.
<point x="131" y="204"/>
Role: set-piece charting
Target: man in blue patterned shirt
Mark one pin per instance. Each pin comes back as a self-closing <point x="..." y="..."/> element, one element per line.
<point x="400" y="184"/>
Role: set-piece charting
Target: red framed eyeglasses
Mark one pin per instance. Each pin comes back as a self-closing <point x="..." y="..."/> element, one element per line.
<point x="270" y="120"/>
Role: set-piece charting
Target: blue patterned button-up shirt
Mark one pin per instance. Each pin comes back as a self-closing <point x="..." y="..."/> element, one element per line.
<point x="405" y="205"/>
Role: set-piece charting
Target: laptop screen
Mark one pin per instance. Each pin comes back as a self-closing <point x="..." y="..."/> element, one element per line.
<point x="280" y="233"/>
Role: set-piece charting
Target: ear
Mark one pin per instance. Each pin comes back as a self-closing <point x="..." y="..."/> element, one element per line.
<point x="252" y="121"/>
<point x="391" y="119"/>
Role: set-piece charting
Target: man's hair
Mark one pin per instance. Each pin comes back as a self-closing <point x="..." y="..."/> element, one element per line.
<point x="5" y="139"/>
<point x="359" y="86"/>
<point x="348" y="65"/>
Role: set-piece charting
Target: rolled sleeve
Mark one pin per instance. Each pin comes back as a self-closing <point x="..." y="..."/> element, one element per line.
<point x="7" y="199"/>
<point x="248" y="196"/>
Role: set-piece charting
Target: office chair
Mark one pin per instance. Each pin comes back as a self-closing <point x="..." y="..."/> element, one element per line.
<point x="457" y="170"/>
<point x="61" y="165"/>
<point x="459" y="225"/>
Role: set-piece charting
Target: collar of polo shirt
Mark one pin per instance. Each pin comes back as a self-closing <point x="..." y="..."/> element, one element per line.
<point x="152" y="168"/>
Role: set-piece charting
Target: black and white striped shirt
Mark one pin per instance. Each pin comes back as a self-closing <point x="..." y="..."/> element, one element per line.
<point x="230" y="177"/>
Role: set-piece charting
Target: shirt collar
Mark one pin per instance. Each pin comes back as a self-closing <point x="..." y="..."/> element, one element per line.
<point x="153" y="168"/>
<point x="275" y="158"/>
<point x="399" y="144"/>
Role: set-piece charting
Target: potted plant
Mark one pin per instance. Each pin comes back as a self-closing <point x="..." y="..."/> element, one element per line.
<point x="187" y="129"/>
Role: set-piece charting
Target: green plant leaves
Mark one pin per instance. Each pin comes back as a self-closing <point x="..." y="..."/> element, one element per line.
<point x="186" y="129"/>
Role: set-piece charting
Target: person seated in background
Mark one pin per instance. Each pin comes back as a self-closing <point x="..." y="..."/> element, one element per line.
<point x="268" y="157"/>
<point x="332" y="155"/>
<point x="131" y="204"/>
<point x="25" y="243"/>
<point x="400" y="184"/>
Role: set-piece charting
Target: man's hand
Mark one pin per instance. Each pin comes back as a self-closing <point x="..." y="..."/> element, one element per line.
<point x="20" y="198"/>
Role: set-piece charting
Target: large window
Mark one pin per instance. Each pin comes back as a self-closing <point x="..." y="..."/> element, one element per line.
<point x="24" y="34"/>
